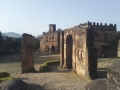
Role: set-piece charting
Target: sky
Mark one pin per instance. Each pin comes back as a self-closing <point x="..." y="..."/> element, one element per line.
<point x="34" y="16"/>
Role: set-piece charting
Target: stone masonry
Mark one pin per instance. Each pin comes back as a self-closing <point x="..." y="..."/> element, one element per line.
<point x="77" y="50"/>
<point x="80" y="45"/>
<point x="26" y="55"/>
<point x="50" y="41"/>
<point x="112" y="82"/>
<point x="104" y="39"/>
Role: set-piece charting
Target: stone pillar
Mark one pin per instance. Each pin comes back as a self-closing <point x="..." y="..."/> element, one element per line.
<point x="91" y="55"/>
<point x="74" y="54"/>
<point x="26" y="55"/>
<point x="118" y="50"/>
<point x="61" y="49"/>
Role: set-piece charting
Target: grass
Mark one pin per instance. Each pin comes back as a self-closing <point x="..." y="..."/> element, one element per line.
<point x="45" y="65"/>
<point x="5" y="76"/>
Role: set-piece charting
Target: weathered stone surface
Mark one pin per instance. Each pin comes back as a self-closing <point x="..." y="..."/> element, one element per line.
<point x="118" y="49"/>
<point x="26" y="55"/>
<point x="78" y="51"/>
<point x="80" y="45"/>
<point x="100" y="84"/>
<point x="15" y="84"/>
<point x="104" y="38"/>
<point x="113" y="75"/>
<point x="50" y="41"/>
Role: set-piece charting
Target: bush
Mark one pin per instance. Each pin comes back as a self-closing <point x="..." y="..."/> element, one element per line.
<point x="46" y="64"/>
<point x="4" y="74"/>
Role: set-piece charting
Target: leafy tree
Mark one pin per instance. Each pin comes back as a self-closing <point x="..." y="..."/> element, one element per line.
<point x="118" y="35"/>
<point x="36" y="44"/>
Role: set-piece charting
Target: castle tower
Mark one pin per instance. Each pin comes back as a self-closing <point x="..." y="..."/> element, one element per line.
<point x="52" y="28"/>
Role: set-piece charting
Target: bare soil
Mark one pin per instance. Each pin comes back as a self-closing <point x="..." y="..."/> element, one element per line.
<point x="53" y="80"/>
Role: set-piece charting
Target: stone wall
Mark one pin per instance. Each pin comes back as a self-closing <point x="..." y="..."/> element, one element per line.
<point x="103" y="35"/>
<point x="112" y="82"/>
<point x="113" y="76"/>
<point x="118" y="49"/>
<point x="26" y="55"/>
<point x="50" y="39"/>
<point x="78" y="52"/>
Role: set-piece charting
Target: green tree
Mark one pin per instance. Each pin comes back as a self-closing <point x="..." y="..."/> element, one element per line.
<point x="118" y="34"/>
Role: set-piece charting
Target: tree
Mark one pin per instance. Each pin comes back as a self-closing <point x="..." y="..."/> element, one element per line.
<point x="118" y="34"/>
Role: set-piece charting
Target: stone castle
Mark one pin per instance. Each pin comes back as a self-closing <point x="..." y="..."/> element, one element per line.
<point x="50" y="41"/>
<point x="80" y="46"/>
<point x="104" y="38"/>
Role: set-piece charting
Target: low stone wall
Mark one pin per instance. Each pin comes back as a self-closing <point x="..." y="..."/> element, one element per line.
<point x="111" y="83"/>
<point x="99" y="84"/>
<point x="113" y="74"/>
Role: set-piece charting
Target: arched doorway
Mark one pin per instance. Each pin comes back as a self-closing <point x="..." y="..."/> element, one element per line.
<point x="53" y="49"/>
<point x="46" y="49"/>
<point x="69" y="45"/>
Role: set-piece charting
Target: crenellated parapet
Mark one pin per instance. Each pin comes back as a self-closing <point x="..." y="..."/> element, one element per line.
<point x="101" y="26"/>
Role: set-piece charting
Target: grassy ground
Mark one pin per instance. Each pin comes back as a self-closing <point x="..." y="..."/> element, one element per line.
<point x="14" y="66"/>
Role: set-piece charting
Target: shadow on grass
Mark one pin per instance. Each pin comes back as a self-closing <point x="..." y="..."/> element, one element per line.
<point x="102" y="72"/>
<point x="55" y="69"/>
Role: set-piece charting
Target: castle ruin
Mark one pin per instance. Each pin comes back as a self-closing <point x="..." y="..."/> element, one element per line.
<point x="50" y="41"/>
<point x="81" y="45"/>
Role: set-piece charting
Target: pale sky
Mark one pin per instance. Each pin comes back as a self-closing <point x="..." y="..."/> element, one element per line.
<point x="34" y="16"/>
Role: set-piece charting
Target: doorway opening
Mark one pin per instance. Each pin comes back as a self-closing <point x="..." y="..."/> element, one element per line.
<point x="69" y="46"/>
<point x="53" y="48"/>
<point x="46" y="49"/>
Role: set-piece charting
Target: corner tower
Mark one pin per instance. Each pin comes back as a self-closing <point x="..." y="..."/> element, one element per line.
<point x="52" y="28"/>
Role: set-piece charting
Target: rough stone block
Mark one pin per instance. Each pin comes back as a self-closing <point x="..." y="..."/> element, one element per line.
<point x="100" y="84"/>
<point x="15" y="84"/>
<point x="113" y="75"/>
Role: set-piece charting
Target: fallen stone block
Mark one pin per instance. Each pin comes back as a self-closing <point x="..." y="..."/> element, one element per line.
<point x="14" y="84"/>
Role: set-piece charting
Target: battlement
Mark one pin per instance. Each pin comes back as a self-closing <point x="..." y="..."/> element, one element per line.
<point x="94" y="26"/>
<point x="101" y="24"/>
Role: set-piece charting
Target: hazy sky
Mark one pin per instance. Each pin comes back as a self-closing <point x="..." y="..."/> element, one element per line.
<point x="34" y="16"/>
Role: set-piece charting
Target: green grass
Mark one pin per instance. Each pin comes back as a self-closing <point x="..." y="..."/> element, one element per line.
<point x="45" y="65"/>
<point x="5" y="76"/>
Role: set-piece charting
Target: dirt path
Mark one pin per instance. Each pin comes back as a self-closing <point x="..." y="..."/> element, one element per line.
<point x="54" y="80"/>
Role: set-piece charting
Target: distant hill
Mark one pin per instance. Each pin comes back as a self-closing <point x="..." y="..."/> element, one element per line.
<point x="12" y="34"/>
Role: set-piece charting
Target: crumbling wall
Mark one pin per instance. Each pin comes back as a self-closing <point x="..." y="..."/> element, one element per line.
<point x="113" y="76"/>
<point x="118" y="49"/>
<point x="84" y="57"/>
<point x="112" y="82"/>
<point x="26" y="55"/>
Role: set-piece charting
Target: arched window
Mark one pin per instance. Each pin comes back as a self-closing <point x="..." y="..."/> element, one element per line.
<point x="50" y="38"/>
<point x="46" y="38"/>
<point x="53" y="38"/>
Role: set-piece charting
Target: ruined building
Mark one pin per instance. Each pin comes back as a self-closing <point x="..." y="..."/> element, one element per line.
<point x="26" y="55"/>
<point x="81" y="45"/>
<point x="50" y="41"/>
<point x="104" y="39"/>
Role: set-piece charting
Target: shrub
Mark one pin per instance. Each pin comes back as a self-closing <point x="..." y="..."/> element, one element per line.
<point x="4" y="74"/>
<point x="46" y="64"/>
